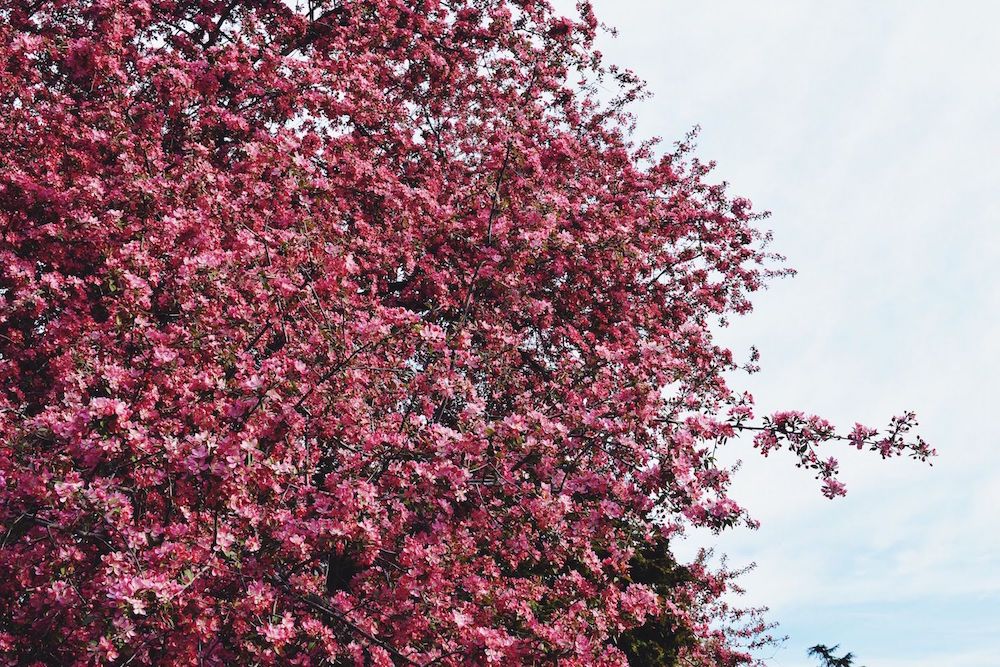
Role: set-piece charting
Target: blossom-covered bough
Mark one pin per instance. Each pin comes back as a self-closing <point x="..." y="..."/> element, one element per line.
<point x="360" y="332"/>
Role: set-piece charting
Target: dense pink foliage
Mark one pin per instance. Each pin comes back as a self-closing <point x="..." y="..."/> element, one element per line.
<point x="355" y="332"/>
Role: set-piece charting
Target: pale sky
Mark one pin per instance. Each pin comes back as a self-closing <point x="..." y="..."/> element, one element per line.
<point x="871" y="130"/>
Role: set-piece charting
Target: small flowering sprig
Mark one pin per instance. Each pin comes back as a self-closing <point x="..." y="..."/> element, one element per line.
<point x="802" y="434"/>
<point x="797" y="431"/>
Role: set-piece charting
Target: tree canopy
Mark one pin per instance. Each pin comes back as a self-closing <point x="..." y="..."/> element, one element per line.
<point x="361" y="332"/>
<point x="828" y="655"/>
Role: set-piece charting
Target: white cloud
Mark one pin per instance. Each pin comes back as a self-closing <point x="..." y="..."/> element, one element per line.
<point x="869" y="129"/>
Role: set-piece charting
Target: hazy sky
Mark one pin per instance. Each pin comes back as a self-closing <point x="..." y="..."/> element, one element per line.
<point x="871" y="130"/>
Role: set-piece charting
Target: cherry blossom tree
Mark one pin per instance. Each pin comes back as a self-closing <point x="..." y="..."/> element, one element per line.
<point x="361" y="332"/>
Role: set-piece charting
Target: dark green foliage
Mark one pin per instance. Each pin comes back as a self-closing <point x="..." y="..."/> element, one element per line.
<point x="657" y="642"/>
<point x="825" y="653"/>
